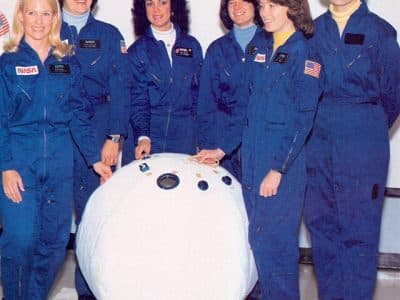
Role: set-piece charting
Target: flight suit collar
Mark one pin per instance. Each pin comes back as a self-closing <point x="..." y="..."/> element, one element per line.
<point x="149" y="32"/>
<point x="361" y="11"/>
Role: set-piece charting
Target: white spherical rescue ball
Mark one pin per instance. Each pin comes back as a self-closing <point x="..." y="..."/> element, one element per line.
<point x="167" y="228"/>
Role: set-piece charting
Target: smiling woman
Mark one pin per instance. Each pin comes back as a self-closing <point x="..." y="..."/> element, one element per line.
<point x="165" y="63"/>
<point x="101" y="52"/>
<point x="40" y="107"/>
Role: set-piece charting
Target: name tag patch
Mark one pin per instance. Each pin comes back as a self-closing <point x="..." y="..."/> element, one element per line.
<point x="281" y="57"/>
<point x="185" y="52"/>
<point x="89" y="44"/>
<point x="24" y="71"/>
<point x="354" y="39"/>
<point x="59" y="69"/>
<point x="252" y="50"/>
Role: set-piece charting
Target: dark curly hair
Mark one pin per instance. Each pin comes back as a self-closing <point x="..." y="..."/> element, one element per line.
<point x="226" y="19"/>
<point x="179" y="16"/>
<point x="299" y="13"/>
<point x="91" y="6"/>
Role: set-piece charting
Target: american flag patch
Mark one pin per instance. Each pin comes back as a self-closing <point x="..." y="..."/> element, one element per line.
<point x="4" y="27"/>
<point x="260" y="58"/>
<point x="312" y="68"/>
<point x="123" y="47"/>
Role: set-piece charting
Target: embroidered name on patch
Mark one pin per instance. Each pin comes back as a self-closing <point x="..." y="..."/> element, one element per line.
<point x="281" y="57"/>
<point x="354" y="39"/>
<point x="60" y="69"/>
<point x="31" y="70"/>
<point x="89" y="44"/>
<point x="312" y="68"/>
<point x="260" y="58"/>
<point x="185" y="52"/>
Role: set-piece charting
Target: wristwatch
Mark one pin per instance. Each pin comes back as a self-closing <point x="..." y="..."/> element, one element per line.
<point x="114" y="137"/>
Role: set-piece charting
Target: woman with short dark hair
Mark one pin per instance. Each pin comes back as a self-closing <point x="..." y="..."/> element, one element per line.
<point x="223" y="97"/>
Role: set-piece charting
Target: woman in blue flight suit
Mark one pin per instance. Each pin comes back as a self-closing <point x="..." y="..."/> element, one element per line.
<point x="284" y="93"/>
<point x="165" y="63"/>
<point x="40" y="107"/>
<point x="348" y="152"/>
<point x="222" y="99"/>
<point x="101" y="51"/>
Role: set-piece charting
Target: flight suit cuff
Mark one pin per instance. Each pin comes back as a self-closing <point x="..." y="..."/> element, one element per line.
<point x="7" y="165"/>
<point x="279" y="167"/>
<point x="93" y="159"/>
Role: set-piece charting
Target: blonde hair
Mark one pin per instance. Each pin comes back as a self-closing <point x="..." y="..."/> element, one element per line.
<point x="60" y="49"/>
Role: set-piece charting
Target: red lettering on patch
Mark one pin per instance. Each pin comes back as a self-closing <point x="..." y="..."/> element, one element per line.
<point x="31" y="70"/>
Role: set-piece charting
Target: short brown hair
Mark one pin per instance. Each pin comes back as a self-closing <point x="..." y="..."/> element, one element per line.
<point x="299" y="13"/>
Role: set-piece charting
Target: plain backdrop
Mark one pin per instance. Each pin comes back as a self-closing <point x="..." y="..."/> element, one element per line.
<point x="206" y="27"/>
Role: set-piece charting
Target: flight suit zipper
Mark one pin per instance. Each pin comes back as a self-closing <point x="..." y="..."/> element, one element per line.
<point x="44" y="126"/>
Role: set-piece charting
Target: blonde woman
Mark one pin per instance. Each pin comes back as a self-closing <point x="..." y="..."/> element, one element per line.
<point x="40" y="107"/>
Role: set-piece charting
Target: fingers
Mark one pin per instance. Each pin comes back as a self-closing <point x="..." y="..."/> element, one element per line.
<point x="110" y="160"/>
<point x="13" y="193"/>
<point x="109" y="153"/>
<point x="268" y="191"/>
<point x="105" y="172"/>
<point x="138" y="153"/>
<point x="12" y="185"/>
<point x="141" y="151"/>
<point x="20" y="184"/>
<point x="205" y="157"/>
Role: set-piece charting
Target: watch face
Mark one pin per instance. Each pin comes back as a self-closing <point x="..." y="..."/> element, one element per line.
<point x="114" y="138"/>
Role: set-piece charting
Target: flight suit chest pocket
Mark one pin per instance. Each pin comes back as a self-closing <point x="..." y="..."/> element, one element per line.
<point x="94" y="63"/>
<point x="91" y="54"/>
<point x="24" y="88"/>
<point x="275" y="124"/>
<point x="359" y="57"/>
<point x="278" y="69"/>
<point x="154" y="87"/>
<point x="61" y="77"/>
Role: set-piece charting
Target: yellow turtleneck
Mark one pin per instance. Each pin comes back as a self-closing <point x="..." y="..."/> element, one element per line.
<point x="342" y="17"/>
<point x="281" y="38"/>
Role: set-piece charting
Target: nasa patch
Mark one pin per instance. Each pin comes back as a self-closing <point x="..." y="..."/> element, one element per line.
<point x="26" y="71"/>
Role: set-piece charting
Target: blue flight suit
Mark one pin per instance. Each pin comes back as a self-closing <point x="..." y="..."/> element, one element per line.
<point x="282" y="105"/>
<point x="164" y="97"/>
<point x="40" y="106"/>
<point x="348" y="152"/>
<point x="101" y="51"/>
<point x="223" y="100"/>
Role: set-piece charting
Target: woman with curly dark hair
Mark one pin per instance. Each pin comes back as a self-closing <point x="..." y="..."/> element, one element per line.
<point x="222" y="99"/>
<point x="284" y="93"/>
<point x="165" y="63"/>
